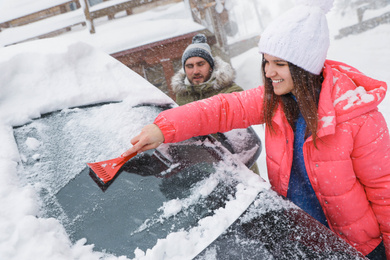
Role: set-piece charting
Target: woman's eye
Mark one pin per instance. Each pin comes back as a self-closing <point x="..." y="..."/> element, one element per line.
<point x="281" y="64"/>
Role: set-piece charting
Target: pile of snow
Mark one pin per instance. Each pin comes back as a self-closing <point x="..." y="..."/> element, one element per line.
<point x="70" y="73"/>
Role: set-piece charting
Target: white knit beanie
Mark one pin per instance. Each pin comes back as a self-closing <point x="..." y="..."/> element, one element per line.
<point x="300" y="36"/>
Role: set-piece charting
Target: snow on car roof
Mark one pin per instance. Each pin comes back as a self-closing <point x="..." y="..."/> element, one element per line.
<point x="53" y="74"/>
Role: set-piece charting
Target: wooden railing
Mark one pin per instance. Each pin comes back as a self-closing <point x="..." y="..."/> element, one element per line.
<point x="366" y="24"/>
<point x="38" y="15"/>
<point x="112" y="7"/>
<point x="64" y="18"/>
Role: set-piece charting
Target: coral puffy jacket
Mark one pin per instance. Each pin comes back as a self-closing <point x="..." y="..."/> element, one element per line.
<point x="350" y="170"/>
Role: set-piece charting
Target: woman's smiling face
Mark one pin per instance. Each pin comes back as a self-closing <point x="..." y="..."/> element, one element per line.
<point x="278" y="71"/>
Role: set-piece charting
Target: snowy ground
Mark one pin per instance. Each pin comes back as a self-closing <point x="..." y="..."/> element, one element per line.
<point x="28" y="69"/>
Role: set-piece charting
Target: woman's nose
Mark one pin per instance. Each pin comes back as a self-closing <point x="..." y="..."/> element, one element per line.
<point x="269" y="72"/>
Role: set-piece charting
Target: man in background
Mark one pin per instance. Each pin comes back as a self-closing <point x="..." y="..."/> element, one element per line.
<point x="204" y="76"/>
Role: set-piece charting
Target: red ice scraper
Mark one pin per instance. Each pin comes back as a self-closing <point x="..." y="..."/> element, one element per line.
<point x="105" y="171"/>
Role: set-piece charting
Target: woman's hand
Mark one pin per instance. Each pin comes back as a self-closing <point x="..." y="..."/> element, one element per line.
<point x="149" y="138"/>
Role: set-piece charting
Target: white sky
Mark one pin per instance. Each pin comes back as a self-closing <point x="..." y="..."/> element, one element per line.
<point x="48" y="75"/>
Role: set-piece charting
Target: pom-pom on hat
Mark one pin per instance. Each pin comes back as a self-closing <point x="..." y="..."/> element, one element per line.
<point x="198" y="48"/>
<point x="300" y="36"/>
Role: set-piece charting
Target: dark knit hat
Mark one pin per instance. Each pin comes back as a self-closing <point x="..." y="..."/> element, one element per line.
<point x="198" y="48"/>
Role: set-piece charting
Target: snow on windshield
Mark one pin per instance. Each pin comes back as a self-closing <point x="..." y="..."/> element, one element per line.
<point x="188" y="244"/>
<point x="56" y="148"/>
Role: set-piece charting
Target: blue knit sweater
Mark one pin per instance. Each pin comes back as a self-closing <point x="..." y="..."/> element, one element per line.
<point x="300" y="191"/>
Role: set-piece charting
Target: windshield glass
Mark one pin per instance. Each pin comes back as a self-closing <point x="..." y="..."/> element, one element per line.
<point x="138" y="208"/>
<point x="158" y="193"/>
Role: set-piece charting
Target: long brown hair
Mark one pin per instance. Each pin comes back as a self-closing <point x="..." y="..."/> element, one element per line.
<point x="307" y="87"/>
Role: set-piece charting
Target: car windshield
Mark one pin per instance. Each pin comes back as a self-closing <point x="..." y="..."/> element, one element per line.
<point x="157" y="193"/>
<point x="146" y="202"/>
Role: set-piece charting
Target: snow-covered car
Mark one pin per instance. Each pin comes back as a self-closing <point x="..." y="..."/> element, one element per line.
<point x="65" y="104"/>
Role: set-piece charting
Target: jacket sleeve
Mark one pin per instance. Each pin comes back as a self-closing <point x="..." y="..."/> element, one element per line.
<point x="371" y="162"/>
<point x="220" y="113"/>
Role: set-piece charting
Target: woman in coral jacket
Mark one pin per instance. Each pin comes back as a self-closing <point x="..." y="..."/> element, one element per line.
<point x="328" y="146"/>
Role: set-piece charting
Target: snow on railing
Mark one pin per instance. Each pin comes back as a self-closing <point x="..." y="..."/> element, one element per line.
<point x="15" y="9"/>
<point x="56" y="23"/>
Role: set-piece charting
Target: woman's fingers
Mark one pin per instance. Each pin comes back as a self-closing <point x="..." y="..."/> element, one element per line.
<point x="149" y="138"/>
